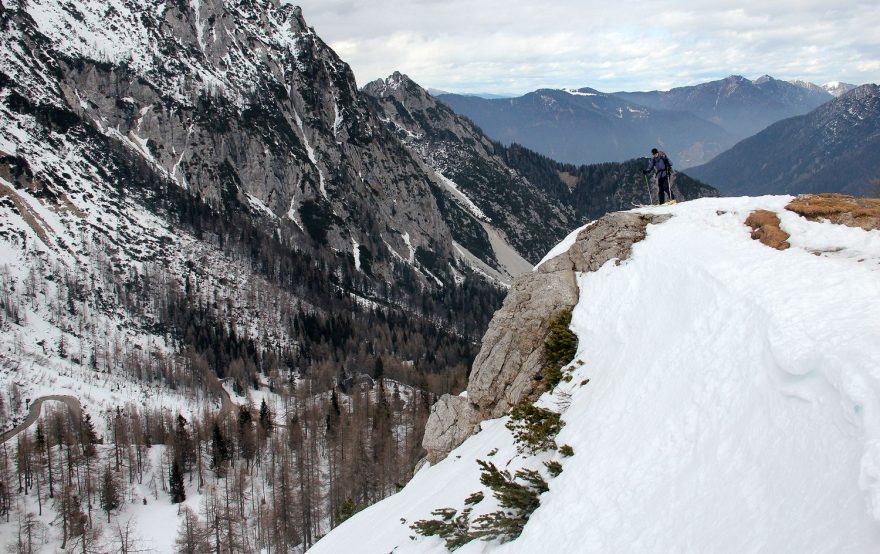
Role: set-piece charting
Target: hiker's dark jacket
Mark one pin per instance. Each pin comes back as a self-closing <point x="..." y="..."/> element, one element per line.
<point x="658" y="162"/>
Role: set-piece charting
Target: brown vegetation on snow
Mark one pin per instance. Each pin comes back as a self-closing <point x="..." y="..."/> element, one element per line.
<point x="765" y="227"/>
<point x="838" y="208"/>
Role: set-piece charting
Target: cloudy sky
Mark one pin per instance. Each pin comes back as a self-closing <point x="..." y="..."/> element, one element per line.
<point x="516" y="46"/>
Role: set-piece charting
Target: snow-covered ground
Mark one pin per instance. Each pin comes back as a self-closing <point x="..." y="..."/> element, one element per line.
<point x="145" y="507"/>
<point x="733" y="403"/>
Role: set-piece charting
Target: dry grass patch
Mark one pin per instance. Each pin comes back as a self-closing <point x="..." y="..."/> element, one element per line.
<point x="838" y="208"/>
<point x="765" y="227"/>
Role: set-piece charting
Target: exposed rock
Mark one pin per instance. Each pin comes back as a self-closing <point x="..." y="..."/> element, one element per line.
<point x="765" y="228"/>
<point x="452" y="420"/>
<point x="508" y="367"/>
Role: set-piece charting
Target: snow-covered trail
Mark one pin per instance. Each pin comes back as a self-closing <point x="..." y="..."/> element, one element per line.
<point x="733" y="403"/>
<point x="733" y="398"/>
<point x="36" y="407"/>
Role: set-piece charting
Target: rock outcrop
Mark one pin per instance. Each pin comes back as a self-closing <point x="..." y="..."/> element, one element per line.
<point x="508" y="367"/>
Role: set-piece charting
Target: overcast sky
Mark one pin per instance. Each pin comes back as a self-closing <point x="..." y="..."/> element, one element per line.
<point x="516" y="46"/>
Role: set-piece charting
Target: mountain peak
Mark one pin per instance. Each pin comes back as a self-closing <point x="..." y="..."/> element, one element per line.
<point x="837" y="88"/>
<point x="395" y="83"/>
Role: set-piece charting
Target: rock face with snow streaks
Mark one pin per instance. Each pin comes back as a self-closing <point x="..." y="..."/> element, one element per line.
<point x="508" y="367"/>
<point x="524" y="213"/>
<point x="240" y="103"/>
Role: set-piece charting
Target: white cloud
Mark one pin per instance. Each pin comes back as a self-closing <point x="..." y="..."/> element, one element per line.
<point x="515" y="46"/>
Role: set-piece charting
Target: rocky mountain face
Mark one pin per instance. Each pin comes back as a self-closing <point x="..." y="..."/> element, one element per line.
<point x="834" y="148"/>
<point x="218" y="111"/>
<point x="739" y="105"/>
<point x="242" y="105"/>
<point x="586" y="126"/>
<point x="474" y="171"/>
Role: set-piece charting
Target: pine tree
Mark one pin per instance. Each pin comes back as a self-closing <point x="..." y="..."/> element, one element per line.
<point x="534" y="429"/>
<point x="89" y="438"/>
<point x="184" y="448"/>
<point x="175" y="484"/>
<point x="265" y="417"/>
<point x="378" y="369"/>
<point x="560" y="348"/>
<point x="453" y="529"/>
<point x="518" y="501"/>
<point x="110" y="494"/>
<point x="246" y="440"/>
<point x="219" y="450"/>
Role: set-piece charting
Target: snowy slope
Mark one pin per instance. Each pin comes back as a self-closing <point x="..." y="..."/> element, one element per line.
<point x="733" y="403"/>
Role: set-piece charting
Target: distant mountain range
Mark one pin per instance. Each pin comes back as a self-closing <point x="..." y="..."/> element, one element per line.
<point x="587" y="126"/>
<point x="490" y="95"/>
<point x="834" y="148"/>
<point x="692" y="124"/>
<point x="740" y="106"/>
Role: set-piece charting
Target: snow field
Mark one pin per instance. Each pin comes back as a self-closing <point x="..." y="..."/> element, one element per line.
<point x="733" y="403"/>
<point x="154" y="524"/>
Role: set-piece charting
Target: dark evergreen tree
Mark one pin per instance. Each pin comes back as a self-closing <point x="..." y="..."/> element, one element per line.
<point x="517" y="500"/>
<point x="560" y="347"/>
<point x="184" y="453"/>
<point x="219" y="450"/>
<point x="265" y="417"/>
<point x="175" y="484"/>
<point x="378" y="369"/>
<point x="110" y="497"/>
<point x="534" y="429"/>
<point x="88" y="438"/>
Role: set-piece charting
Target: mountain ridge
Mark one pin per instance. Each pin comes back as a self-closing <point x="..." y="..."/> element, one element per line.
<point x="586" y="126"/>
<point x="830" y="149"/>
<point x="693" y="123"/>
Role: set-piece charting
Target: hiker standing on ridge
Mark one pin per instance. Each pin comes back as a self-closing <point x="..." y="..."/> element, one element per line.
<point x="661" y="163"/>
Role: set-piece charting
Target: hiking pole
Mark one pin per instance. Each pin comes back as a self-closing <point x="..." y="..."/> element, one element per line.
<point x="648" y="188"/>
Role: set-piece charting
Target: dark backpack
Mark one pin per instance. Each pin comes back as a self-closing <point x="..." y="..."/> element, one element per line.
<point x="666" y="161"/>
